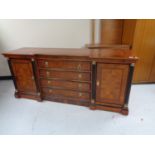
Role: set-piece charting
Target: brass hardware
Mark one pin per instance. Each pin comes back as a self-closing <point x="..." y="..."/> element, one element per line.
<point x="32" y="77"/>
<point x="49" y="82"/>
<point x="80" y="94"/>
<point x="125" y="106"/>
<point x="131" y="57"/>
<point x="97" y="83"/>
<point x="32" y="59"/>
<point x="46" y="63"/>
<point x="50" y="91"/>
<point x="47" y="73"/>
<point x="80" y="85"/>
<point x="80" y="75"/>
<point x="92" y="101"/>
<point x="79" y="67"/>
<point x="16" y="90"/>
<point x="38" y="94"/>
<point x="94" y="62"/>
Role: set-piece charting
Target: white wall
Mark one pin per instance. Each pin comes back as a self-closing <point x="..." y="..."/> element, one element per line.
<point x="41" y="33"/>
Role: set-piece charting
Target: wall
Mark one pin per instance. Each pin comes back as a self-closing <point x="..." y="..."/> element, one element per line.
<point x="41" y="33"/>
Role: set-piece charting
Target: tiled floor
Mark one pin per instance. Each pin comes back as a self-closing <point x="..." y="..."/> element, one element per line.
<point x="22" y="116"/>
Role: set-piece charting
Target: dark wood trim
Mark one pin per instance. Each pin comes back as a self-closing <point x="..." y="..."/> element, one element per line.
<point x="35" y="75"/>
<point x="129" y="84"/>
<point x="6" y="77"/>
<point x="94" y="72"/>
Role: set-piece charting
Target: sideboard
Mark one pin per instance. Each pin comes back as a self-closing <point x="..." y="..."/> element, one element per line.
<point x="96" y="78"/>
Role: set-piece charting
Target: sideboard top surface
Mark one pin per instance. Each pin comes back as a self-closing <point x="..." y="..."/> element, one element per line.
<point x="78" y="52"/>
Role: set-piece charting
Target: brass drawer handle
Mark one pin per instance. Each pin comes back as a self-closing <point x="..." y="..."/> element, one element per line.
<point x="97" y="83"/>
<point x="80" y="85"/>
<point x="80" y="94"/>
<point x="80" y="75"/>
<point x="49" y="82"/>
<point x="47" y="73"/>
<point x="50" y="91"/>
<point x="79" y="67"/>
<point x="46" y="64"/>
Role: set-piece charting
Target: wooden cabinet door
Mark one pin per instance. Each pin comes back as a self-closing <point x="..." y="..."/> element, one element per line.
<point x="111" y="83"/>
<point x="24" y="76"/>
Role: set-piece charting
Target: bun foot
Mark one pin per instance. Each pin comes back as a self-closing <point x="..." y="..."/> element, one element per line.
<point x="124" y="111"/>
<point x="39" y="100"/>
<point x="17" y="95"/>
<point x="92" y="107"/>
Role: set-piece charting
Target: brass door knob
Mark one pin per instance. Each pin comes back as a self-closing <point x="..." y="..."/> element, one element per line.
<point x="97" y="83"/>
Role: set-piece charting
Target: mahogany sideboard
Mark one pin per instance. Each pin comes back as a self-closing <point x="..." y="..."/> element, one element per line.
<point x="96" y="78"/>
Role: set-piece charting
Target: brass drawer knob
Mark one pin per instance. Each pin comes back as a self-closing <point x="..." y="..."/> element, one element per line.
<point x="79" y="67"/>
<point x="80" y="75"/>
<point x="80" y="85"/>
<point x="49" y="82"/>
<point x="47" y="73"/>
<point x="46" y="63"/>
<point x="80" y="94"/>
<point x="50" y="91"/>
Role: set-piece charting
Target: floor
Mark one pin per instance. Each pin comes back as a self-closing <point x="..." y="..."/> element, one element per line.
<point x="23" y="116"/>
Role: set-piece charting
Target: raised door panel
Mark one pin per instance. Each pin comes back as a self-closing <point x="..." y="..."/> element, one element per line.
<point x="111" y="83"/>
<point x="23" y="73"/>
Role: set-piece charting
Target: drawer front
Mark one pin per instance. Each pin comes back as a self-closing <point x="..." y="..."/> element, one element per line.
<point x="66" y="93"/>
<point x="65" y="75"/>
<point x="67" y="65"/>
<point x="24" y="76"/>
<point x="66" y="84"/>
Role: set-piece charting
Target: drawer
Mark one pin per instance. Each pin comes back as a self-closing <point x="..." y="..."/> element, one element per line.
<point x="65" y="75"/>
<point x="66" y="85"/>
<point x="66" y="93"/>
<point x="63" y="64"/>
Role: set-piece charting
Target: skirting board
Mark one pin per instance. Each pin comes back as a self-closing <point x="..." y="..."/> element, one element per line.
<point x="6" y="78"/>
